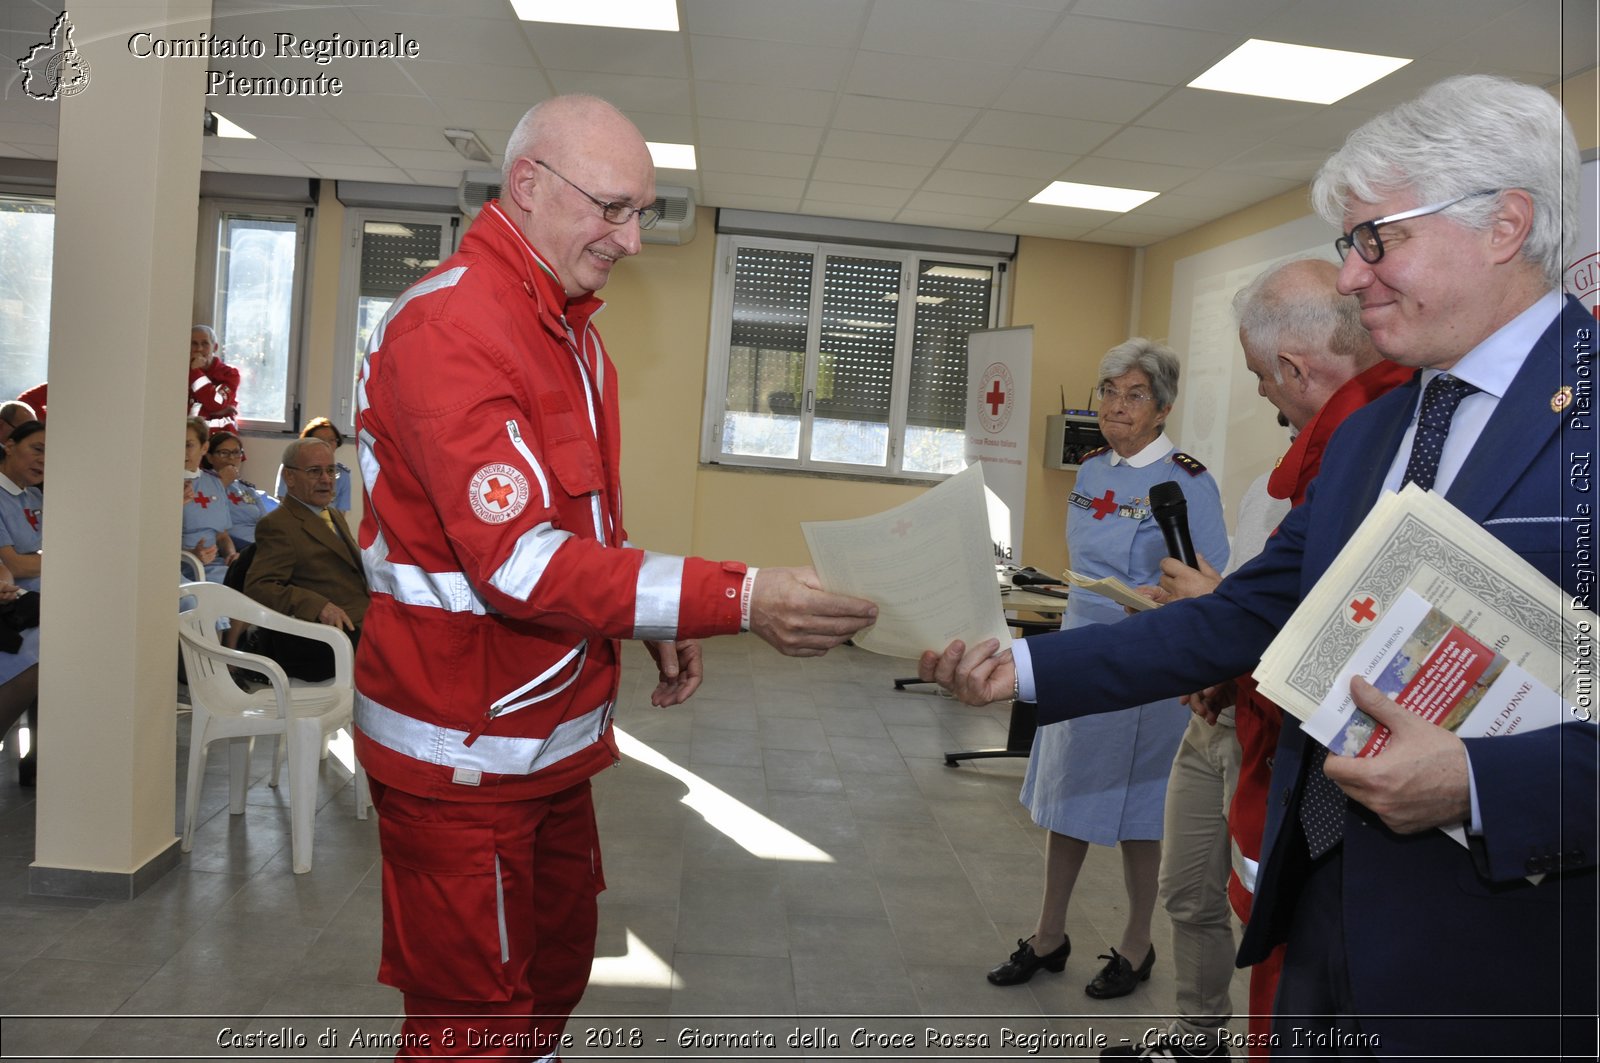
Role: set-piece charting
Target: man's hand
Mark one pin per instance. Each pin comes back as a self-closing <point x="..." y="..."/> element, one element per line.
<point x="333" y="616"/>
<point x="977" y="676"/>
<point x="1179" y="581"/>
<point x="1420" y="778"/>
<point x="1209" y="703"/>
<point x="681" y="668"/>
<point x="791" y="612"/>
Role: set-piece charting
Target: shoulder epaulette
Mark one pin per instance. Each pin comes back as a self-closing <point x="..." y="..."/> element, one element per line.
<point x="242" y="482"/>
<point x="1095" y="453"/>
<point x="1189" y="464"/>
<point x="341" y="466"/>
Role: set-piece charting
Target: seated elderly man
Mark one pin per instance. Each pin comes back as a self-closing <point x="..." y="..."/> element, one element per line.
<point x="307" y="564"/>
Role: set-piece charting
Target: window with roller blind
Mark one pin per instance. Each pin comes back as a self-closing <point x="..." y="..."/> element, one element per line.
<point x="845" y="359"/>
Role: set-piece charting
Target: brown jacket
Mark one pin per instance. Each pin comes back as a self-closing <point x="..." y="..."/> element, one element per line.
<point x="300" y="565"/>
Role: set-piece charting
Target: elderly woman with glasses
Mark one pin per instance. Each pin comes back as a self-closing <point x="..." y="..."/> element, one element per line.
<point x="247" y="503"/>
<point x="1102" y="779"/>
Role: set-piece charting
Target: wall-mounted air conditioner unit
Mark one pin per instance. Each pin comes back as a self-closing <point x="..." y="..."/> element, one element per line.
<point x="477" y="188"/>
<point x="677" y="217"/>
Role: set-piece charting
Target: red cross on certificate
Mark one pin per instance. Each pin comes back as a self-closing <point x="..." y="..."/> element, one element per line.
<point x="996" y="399"/>
<point x="1104" y="507"/>
<point x="900" y="528"/>
<point x="204" y="500"/>
<point x="499" y="493"/>
<point x="1361" y="610"/>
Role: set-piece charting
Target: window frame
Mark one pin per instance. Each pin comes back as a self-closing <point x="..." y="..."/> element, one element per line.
<point x="718" y="353"/>
<point x="346" y="358"/>
<point x="208" y="310"/>
<point x="43" y="197"/>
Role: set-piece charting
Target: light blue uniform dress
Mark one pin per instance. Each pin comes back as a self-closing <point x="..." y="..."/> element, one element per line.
<point x="1103" y="778"/>
<point x="22" y="529"/>
<point x="341" y="487"/>
<point x="204" y="516"/>
<point x="247" y="504"/>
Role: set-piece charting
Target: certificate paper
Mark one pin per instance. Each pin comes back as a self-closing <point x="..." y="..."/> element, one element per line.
<point x="928" y="564"/>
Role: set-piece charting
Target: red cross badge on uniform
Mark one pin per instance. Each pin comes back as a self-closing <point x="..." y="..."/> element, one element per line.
<point x="497" y="493"/>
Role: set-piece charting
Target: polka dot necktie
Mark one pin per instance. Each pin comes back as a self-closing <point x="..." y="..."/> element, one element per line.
<point x="1322" y="804"/>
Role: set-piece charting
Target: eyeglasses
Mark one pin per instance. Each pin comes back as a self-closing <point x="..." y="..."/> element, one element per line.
<point x="227" y="452"/>
<point x="316" y="472"/>
<point x="615" y="213"/>
<point x="1369" y="245"/>
<point x="1133" y="396"/>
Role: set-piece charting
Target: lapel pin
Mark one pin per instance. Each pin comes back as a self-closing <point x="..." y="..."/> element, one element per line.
<point x="1561" y="399"/>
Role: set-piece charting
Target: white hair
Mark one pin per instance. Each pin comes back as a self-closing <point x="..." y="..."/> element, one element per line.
<point x="1467" y="134"/>
<point x="1159" y="362"/>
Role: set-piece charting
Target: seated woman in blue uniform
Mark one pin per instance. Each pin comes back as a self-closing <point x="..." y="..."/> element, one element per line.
<point x="247" y="503"/>
<point x="206" y="521"/>
<point x="21" y="561"/>
<point x="22" y="504"/>
<point x="323" y="429"/>
<point x="1102" y="779"/>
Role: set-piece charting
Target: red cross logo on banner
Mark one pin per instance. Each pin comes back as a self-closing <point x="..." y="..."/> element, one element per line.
<point x="900" y="528"/>
<point x="33" y="518"/>
<point x="499" y="493"/>
<point x="204" y="500"/>
<point x="1362" y="611"/>
<point x="1104" y="507"/>
<point x="996" y="398"/>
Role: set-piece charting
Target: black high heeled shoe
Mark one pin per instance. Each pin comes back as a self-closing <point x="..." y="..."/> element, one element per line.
<point x="1118" y="977"/>
<point x="1024" y="962"/>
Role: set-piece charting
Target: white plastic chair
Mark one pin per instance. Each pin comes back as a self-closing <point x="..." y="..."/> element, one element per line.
<point x="193" y="568"/>
<point x="300" y="716"/>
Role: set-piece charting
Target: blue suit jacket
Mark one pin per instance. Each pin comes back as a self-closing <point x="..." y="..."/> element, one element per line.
<point x="1431" y="928"/>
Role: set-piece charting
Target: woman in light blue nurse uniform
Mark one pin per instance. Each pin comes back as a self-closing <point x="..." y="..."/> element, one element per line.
<point x="247" y="503"/>
<point x="206" y="521"/>
<point x="1102" y="779"/>
<point x="22" y="504"/>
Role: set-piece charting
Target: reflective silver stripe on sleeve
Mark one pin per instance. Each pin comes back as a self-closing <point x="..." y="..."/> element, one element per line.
<point x="501" y="755"/>
<point x="447" y="279"/>
<point x="519" y="574"/>
<point x="1245" y="868"/>
<point x="655" y="603"/>
<point x="515" y="432"/>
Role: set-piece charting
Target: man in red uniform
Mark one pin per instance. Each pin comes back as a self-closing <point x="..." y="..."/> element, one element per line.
<point x="1314" y="362"/>
<point x="502" y="582"/>
<point x="213" y="383"/>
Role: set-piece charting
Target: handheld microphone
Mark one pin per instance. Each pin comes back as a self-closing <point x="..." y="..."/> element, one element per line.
<point x="1171" y="511"/>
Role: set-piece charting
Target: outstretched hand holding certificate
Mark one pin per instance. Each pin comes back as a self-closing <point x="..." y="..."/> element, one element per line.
<point x="928" y="564"/>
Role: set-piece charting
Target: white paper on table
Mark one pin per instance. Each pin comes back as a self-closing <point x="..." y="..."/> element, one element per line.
<point x="928" y="564"/>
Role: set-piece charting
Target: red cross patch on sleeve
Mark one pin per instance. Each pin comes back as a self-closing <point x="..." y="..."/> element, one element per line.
<point x="497" y="493"/>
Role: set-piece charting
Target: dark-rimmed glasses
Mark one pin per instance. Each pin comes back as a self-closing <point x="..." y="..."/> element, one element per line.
<point x="615" y="213"/>
<point x="1369" y="245"/>
<point x="316" y="472"/>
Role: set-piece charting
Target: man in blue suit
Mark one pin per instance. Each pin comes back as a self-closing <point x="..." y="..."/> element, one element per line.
<point x="1455" y="209"/>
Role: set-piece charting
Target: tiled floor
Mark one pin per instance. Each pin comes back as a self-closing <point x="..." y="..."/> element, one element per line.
<point x="872" y="889"/>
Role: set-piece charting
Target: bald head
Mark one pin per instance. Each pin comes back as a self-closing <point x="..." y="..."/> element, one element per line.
<point x="569" y="160"/>
<point x="1301" y="338"/>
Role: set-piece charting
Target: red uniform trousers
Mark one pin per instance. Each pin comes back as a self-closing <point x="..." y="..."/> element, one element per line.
<point x="1258" y="723"/>
<point x="489" y="919"/>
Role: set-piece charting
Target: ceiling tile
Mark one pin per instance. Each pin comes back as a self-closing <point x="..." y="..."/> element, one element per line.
<point x="832" y="23"/>
<point x="661" y="95"/>
<point x="1122" y="173"/>
<point x="1074" y="96"/>
<point x="1288" y="161"/>
<point x="792" y="66"/>
<point x="761" y="136"/>
<point x="1101" y="47"/>
<point x="1411" y="29"/>
<point x="754" y="163"/>
<point x="443" y="178"/>
<point x="345" y="154"/>
<point x="1236" y="189"/>
<point x="858" y="210"/>
<point x="665" y="128"/>
<point x="608" y="50"/>
<point x="282" y="128"/>
<point x="859" y="172"/>
<point x="909" y="77"/>
<point x="335" y="171"/>
<point x="447" y="159"/>
<point x="1012" y="129"/>
<point x="720" y="184"/>
<point x="1145" y="225"/>
<point x="396" y="135"/>
<point x="967" y="183"/>
<point x="380" y="107"/>
<point x="1223" y="16"/>
<point x="1061" y="216"/>
<point x="963" y="222"/>
<point x="762" y="103"/>
<point x="1200" y="110"/>
<point x="450" y="39"/>
<point x="873" y="114"/>
<point x="987" y="210"/>
<point x="1015" y="162"/>
<point x="874" y="196"/>
<point x="748" y="201"/>
<point x="979" y="30"/>
<point x="1174" y="148"/>
<point x="885" y="147"/>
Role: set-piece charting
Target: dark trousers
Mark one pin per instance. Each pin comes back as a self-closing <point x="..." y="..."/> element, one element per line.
<point x="300" y="658"/>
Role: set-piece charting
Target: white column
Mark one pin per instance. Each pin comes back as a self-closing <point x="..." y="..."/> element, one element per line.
<point x="127" y="189"/>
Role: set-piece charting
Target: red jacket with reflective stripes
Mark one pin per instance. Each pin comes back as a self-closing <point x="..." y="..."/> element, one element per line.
<point x="492" y="535"/>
